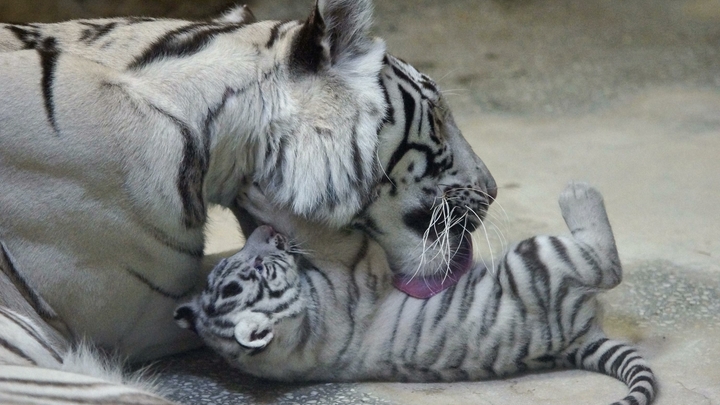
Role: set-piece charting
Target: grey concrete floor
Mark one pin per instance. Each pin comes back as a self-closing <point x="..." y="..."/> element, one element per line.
<point x="622" y="93"/>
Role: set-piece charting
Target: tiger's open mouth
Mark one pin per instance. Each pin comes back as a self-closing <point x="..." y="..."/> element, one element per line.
<point x="422" y="287"/>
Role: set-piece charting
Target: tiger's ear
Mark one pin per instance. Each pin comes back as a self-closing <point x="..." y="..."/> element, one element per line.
<point x="185" y="316"/>
<point x="335" y="32"/>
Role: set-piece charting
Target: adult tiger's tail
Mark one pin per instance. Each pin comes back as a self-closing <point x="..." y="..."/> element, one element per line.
<point x="619" y="360"/>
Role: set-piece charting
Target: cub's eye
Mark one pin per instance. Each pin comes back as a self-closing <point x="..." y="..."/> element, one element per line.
<point x="231" y="290"/>
<point x="258" y="264"/>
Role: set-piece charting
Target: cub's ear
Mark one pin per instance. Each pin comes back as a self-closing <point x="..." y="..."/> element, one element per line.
<point x="336" y="32"/>
<point x="253" y="331"/>
<point x="185" y="316"/>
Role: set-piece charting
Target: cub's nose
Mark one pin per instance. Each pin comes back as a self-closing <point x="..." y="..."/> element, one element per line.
<point x="261" y="234"/>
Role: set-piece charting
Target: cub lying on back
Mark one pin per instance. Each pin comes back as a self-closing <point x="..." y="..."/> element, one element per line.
<point x="274" y="312"/>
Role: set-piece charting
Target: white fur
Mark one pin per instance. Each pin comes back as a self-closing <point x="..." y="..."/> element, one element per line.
<point x="91" y="208"/>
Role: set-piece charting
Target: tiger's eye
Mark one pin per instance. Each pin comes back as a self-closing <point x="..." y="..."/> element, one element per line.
<point x="230" y="290"/>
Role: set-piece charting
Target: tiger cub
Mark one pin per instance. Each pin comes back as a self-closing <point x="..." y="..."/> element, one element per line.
<point x="276" y="313"/>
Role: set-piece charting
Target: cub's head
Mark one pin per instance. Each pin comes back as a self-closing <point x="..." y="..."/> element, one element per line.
<point x="434" y="190"/>
<point x="245" y="295"/>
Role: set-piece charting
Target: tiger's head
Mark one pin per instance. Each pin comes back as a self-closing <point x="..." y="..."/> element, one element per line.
<point x="319" y="156"/>
<point x="316" y="102"/>
<point x="246" y="294"/>
<point x="434" y="190"/>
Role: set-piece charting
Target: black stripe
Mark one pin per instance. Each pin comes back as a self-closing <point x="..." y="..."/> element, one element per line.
<point x="582" y="332"/>
<point x="157" y="289"/>
<point x="33" y="333"/>
<point x="23" y="287"/>
<point x="594" y="263"/>
<point x="393" y="336"/>
<point x="409" y="111"/>
<point x="389" y="117"/>
<point x="307" y="266"/>
<point x="561" y="250"/>
<point x="634" y="370"/>
<point x="48" y="62"/>
<point x="615" y="367"/>
<point x="306" y="329"/>
<point x="169" y="241"/>
<point x="191" y="174"/>
<point x="631" y="400"/>
<point x="182" y="42"/>
<point x="353" y="295"/>
<point x="529" y="251"/>
<point x="29" y="37"/>
<point x="468" y="296"/>
<point x="559" y="296"/>
<point x="490" y="313"/>
<point x="358" y="161"/>
<point x="639" y="379"/>
<point x="592" y="348"/>
<point x="16" y="350"/>
<point x="579" y="303"/>
<point x="411" y="347"/>
<point x="510" y="277"/>
<point x="447" y="299"/>
<point x="399" y="73"/>
<point x="626" y="369"/>
<point x="286" y="304"/>
<point x="45" y="383"/>
<point x="95" y="31"/>
<point x="274" y="33"/>
<point x="331" y="199"/>
<point x="606" y="357"/>
<point x="522" y="353"/>
<point x="644" y="391"/>
<point x="491" y="356"/>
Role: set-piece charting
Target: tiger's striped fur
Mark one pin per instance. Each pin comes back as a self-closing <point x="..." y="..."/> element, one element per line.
<point x="38" y="366"/>
<point x="275" y="313"/>
<point x="117" y="133"/>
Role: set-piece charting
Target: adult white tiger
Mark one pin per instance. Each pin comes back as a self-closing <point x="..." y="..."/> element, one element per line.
<point x="426" y="160"/>
<point x="115" y="134"/>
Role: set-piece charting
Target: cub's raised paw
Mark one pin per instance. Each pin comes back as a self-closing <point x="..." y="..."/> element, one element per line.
<point x="253" y="330"/>
<point x="582" y="207"/>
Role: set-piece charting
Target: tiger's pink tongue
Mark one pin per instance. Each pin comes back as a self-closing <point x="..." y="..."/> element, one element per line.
<point x="426" y="287"/>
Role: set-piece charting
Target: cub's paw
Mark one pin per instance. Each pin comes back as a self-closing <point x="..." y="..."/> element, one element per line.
<point x="253" y="330"/>
<point x="582" y="206"/>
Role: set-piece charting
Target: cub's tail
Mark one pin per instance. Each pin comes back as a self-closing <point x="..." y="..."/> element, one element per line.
<point x="619" y="360"/>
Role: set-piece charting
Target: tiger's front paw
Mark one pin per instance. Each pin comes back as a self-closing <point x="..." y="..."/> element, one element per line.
<point x="254" y="330"/>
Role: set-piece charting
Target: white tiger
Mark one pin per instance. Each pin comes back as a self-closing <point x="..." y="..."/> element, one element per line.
<point x="115" y="134"/>
<point x="331" y="314"/>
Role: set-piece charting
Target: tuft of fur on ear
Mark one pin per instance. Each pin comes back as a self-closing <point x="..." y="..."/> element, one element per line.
<point x="185" y="316"/>
<point x="336" y="31"/>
